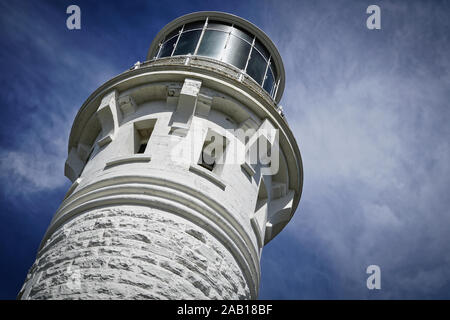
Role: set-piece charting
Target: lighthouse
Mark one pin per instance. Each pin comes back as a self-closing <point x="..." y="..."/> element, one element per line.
<point x="182" y="167"/>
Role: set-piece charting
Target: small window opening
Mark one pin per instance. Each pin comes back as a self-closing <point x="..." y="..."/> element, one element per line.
<point x="207" y="157"/>
<point x="212" y="151"/>
<point x="142" y="147"/>
<point x="142" y="133"/>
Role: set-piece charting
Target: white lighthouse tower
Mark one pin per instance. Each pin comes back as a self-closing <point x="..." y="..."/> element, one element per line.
<point x="183" y="168"/>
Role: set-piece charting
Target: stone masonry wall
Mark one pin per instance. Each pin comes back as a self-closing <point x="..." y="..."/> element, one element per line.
<point x="133" y="252"/>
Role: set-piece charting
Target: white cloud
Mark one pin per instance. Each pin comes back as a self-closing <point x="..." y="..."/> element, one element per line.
<point x="373" y="132"/>
<point x="23" y="172"/>
<point x="46" y="91"/>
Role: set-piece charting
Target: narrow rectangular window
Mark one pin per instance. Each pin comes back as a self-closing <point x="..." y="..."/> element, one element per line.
<point x="213" y="151"/>
<point x="207" y="157"/>
<point x="142" y="133"/>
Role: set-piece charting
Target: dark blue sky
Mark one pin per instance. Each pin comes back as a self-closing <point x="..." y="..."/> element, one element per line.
<point x="370" y="110"/>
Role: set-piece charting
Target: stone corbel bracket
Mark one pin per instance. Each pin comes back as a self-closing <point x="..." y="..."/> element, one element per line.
<point x="74" y="165"/>
<point x="279" y="214"/>
<point x="127" y="105"/>
<point x="108" y="116"/>
<point x="203" y="107"/>
<point x="186" y="107"/>
<point x="268" y="133"/>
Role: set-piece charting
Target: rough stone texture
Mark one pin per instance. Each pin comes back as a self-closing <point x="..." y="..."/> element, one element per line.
<point x="133" y="252"/>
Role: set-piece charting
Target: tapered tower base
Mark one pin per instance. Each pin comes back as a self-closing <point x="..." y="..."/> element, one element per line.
<point x="133" y="252"/>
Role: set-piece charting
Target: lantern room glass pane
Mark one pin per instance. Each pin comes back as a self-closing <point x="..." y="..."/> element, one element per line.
<point x="270" y="81"/>
<point x="218" y="25"/>
<point x="167" y="47"/>
<point x="194" y="25"/>
<point x="256" y="66"/>
<point x="242" y="34"/>
<point x="237" y="52"/>
<point x="262" y="49"/>
<point x="212" y="44"/>
<point x="172" y="34"/>
<point x="187" y="43"/>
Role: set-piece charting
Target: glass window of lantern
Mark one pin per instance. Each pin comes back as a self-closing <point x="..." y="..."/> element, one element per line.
<point x="269" y="82"/>
<point x="215" y="25"/>
<point x="256" y="66"/>
<point x="225" y="42"/>
<point x="167" y="47"/>
<point x="197" y="25"/>
<point x="237" y="52"/>
<point x="262" y="49"/>
<point x="187" y="42"/>
<point x="212" y="44"/>
<point x="238" y="32"/>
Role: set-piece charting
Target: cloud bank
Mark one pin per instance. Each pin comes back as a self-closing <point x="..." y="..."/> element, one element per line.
<point x="370" y="112"/>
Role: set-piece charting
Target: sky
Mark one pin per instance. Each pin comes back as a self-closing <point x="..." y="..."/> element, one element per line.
<point x="369" y="109"/>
